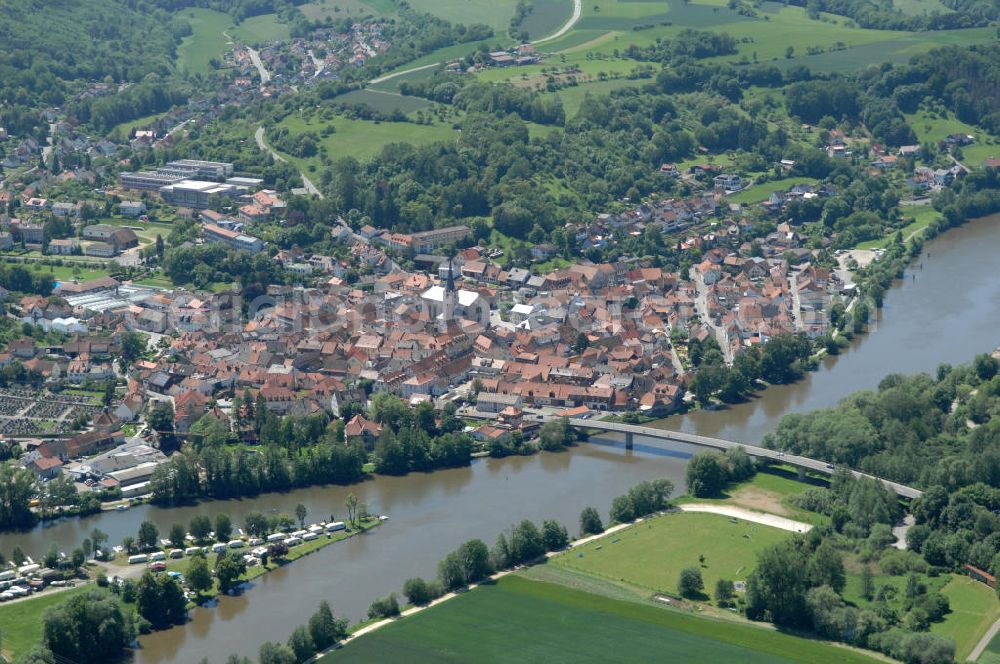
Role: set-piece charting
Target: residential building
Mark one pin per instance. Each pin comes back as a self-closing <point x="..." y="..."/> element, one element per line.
<point x="233" y="239"/>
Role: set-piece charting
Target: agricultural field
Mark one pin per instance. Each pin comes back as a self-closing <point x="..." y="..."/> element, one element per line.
<point x="206" y="41"/>
<point x="334" y="9"/>
<point x="260" y="29"/>
<point x="519" y="620"/>
<point x="932" y="127"/>
<point x="363" y="139"/>
<point x="651" y="554"/>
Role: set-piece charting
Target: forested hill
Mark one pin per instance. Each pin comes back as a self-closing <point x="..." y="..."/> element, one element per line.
<point x="53" y="49"/>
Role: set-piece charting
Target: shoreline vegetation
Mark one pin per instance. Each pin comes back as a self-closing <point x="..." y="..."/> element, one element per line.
<point x="119" y="578"/>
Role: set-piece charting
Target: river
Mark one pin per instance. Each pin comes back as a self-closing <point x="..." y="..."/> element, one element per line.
<point x="948" y="313"/>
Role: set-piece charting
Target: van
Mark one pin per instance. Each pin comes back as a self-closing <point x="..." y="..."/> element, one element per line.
<point x="276" y="537"/>
<point x="192" y="550"/>
<point x="308" y="537"/>
<point x="293" y="541"/>
<point x="335" y="526"/>
<point x="237" y="544"/>
<point x="157" y="555"/>
<point x="137" y="558"/>
<point x="176" y="553"/>
<point x="8" y="575"/>
<point x="218" y="547"/>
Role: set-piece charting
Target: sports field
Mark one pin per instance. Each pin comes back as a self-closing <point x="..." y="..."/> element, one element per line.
<point x="518" y="620"/>
<point x="651" y="554"/>
<point x="205" y="42"/>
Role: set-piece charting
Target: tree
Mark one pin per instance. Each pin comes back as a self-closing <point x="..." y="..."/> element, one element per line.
<point x="690" y="583"/>
<point x="622" y="510"/>
<point x="555" y="435"/>
<point x="324" y="629"/>
<point x="590" y="522"/>
<point x="148" y="535"/>
<point x="867" y="583"/>
<point x="160" y="600"/>
<point x="199" y="576"/>
<point x="161" y="419"/>
<point x="78" y="558"/>
<point x="87" y="628"/>
<point x="475" y="557"/>
<point x="451" y="572"/>
<point x="277" y="550"/>
<point x="177" y="536"/>
<point x="18" y="556"/>
<point x="300" y="514"/>
<point x="228" y="570"/>
<point x="255" y="524"/>
<point x="276" y="653"/>
<point x="302" y="644"/>
<point x="159" y="246"/>
<point x="17" y="487"/>
<point x="706" y="474"/>
<point x="200" y="527"/>
<point x="128" y="544"/>
<point x="724" y="592"/>
<point x="417" y="591"/>
<point x="554" y="535"/>
<point x="352" y="509"/>
<point x="98" y="537"/>
<point x="525" y="543"/>
<point x="500" y="555"/>
<point x="223" y="527"/>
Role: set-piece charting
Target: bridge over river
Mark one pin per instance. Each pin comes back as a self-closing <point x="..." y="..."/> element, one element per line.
<point x="802" y="463"/>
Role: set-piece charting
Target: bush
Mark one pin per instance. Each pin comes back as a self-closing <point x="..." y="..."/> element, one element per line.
<point x="384" y="607"/>
<point x="417" y="591"/>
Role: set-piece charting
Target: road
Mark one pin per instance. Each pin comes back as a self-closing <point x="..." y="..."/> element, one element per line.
<point x="258" y="136"/>
<point x="265" y="75"/>
<point x="577" y="11"/>
<point x="701" y="305"/>
<point x="320" y="65"/>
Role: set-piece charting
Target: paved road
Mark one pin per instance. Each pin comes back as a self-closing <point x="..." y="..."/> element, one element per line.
<point x="265" y="75"/>
<point x="577" y="10"/>
<point x="258" y="136"/>
<point x="720" y="444"/>
<point x="701" y="305"/>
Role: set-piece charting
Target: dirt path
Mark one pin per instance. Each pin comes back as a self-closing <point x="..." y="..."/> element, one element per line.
<point x="258" y="136"/>
<point x="748" y="515"/>
<point x="983" y="642"/>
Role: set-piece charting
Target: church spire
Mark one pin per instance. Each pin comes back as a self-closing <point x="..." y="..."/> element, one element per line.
<point x="451" y="277"/>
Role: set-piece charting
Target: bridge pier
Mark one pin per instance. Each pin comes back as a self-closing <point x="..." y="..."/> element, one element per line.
<point x="802" y="473"/>
<point x="629" y="440"/>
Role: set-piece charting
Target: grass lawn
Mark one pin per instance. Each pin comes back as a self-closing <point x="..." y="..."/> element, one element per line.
<point x="759" y="192"/>
<point x="384" y="101"/>
<point x="992" y="653"/>
<point x="335" y="9"/>
<point x="651" y="554"/>
<point x="363" y="139"/>
<point x="974" y="607"/>
<point x="519" y="620"/>
<point x="67" y="272"/>
<point x="769" y="491"/>
<point x="22" y="622"/>
<point x="261" y="29"/>
<point x="205" y="42"/>
<point x="139" y="123"/>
